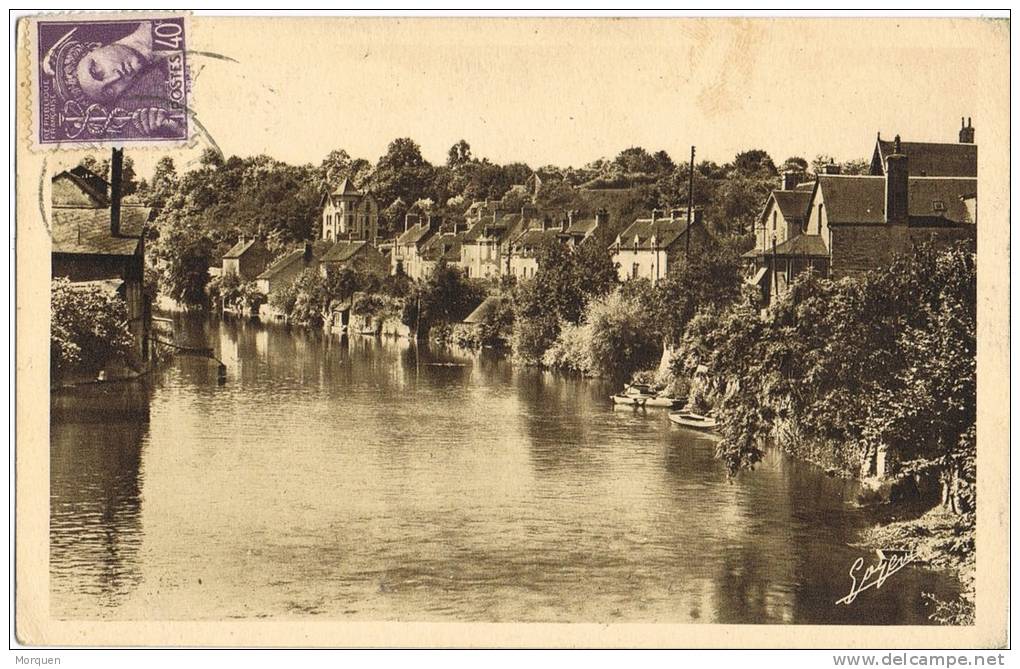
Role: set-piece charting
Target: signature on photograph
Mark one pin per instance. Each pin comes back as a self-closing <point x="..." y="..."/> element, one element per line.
<point x="875" y="575"/>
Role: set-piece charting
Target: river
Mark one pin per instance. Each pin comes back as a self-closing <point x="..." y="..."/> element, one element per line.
<point x="368" y="479"/>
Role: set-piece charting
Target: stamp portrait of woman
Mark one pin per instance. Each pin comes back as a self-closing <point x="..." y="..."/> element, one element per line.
<point x="123" y="82"/>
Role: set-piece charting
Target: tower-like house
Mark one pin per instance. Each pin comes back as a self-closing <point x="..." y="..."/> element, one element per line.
<point x="349" y="214"/>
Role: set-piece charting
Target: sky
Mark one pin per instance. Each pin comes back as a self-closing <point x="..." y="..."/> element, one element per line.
<point x="565" y="92"/>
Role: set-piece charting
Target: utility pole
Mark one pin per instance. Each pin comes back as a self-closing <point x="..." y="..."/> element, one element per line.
<point x="690" y="205"/>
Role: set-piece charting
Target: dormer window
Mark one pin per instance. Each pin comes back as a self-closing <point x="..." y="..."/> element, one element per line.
<point x="938" y="205"/>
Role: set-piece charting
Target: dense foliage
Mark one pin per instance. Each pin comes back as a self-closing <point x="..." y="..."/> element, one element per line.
<point x="88" y="330"/>
<point x="566" y="281"/>
<point x="446" y="296"/>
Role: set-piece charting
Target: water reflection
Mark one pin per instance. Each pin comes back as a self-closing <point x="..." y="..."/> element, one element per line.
<point x="379" y="479"/>
<point x="95" y="512"/>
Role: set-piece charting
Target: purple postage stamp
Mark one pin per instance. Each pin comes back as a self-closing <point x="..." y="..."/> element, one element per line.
<point x="112" y="80"/>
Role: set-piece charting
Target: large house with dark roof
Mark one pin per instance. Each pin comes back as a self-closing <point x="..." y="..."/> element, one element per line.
<point x="850" y="224"/>
<point x="351" y="214"/>
<point x="932" y="159"/>
<point x="99" y="240"/>
<point x="650" y="246"/>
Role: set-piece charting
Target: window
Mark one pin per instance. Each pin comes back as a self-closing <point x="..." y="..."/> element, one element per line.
<point x="635" y="269"/>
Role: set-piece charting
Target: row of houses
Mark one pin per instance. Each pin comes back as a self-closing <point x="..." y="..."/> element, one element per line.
<point x="841" y="225"/>
<point x="833" y="223"/>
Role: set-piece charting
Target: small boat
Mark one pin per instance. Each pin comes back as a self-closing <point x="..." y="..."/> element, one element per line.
<point x="631" y="400"/>
<point x="640" y="394"/>
<point x="692" y="420"/>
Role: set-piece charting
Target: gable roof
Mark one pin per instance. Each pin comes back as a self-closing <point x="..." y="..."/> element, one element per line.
<point x="319" y="249"/>
<point x="240" y="248"/>
<point x="792" y="204"/>
<point x="482" y="310"/>
<point x="582" y="227"/>
<point x="416" y="234"/>
<point x="87" y="230"/>
<point x="861" y="199"/>
<point x="800" y="245"/>
<point x="932" y="159"/>
<point x="664" y="230"/>
<point x="342" y="251"/>
<point x="444" y="245"/>
<point x="533" y="238"/>
<point x="88" y="182"/>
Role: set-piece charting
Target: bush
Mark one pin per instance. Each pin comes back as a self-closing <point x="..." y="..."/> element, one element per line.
<point x="615" y="339"/>
<point x="88" y="329"/>
<point x="622" y="337"/>
<point x="571" y="351"/>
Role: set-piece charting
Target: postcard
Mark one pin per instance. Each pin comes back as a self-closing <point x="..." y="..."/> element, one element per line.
<point x="512" y="332"/>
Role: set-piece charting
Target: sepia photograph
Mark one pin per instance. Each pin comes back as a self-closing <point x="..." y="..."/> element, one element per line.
<point x="576" y="321"/>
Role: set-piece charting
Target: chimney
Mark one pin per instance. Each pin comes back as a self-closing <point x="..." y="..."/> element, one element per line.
<point x="601" y="218"/>
<point x="966" y="132"/>
<point x="655" y="214"/>
<point x="308" y="252"/>
<point x="830" y="168"/>
<point x="897" y="173"/>
<point x="116" y="172"/>
<point x="791" y="178"/>
<point x="570" y="216"/>
<point x="697" y="218"/>
<point x="432" y="222"/>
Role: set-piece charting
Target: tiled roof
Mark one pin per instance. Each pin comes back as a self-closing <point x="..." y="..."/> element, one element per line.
<point x="343" y="251"/>
<point x="506" y="225"/>
<point x="530" y="241"/>
<point x="861" y="199"/>
<point x="239" y="249"/>
<point x="934" y="159"/>
<point x="415" y="234"/>
<point x="800" y="245"/>
<point x="664" y="230"/>
<point x="582" y="227"/>
<point x="319" y="249"/>
<point x="482" y="310"/>
<point x="444" y="245"/>
<point x="87" y="231"/>
<point x="346" y="188"/>
<point x="792" y="204"/>
<point x="90" y="183"/>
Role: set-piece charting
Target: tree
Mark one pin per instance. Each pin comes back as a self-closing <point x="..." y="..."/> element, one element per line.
<point x="96" y="166"/>
<point x="754" y="162"/>
<point x="164" y="181"/>
<point x="794" y="164"/>
<point x="402" y="172"/>
<point x="636" y="160"/>
<point x="183" y="253"/>
<point x="459" y="154"/>
<point x="445" y="297"/>
<point x="709" y="278"/>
